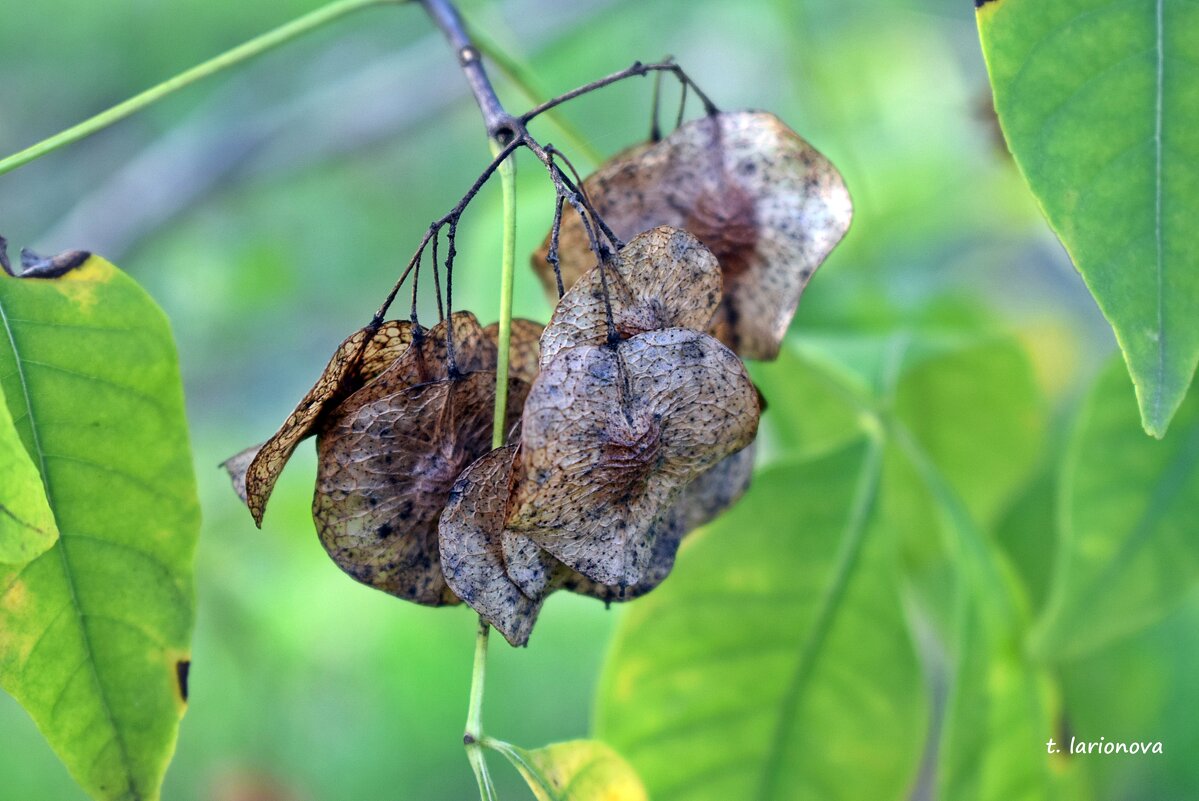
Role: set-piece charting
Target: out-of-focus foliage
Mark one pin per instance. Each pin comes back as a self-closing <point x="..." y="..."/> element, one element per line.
<point x="1127" y="549"/>
<point x="729" y="681"/>
<point x="269" y="211"/>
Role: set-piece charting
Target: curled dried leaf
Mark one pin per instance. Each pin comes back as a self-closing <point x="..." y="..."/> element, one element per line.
<point x="386" y="464"/>
<point x="768" y="205"/>
<point x="357" y="360"/>
<point x="663" y="278"/>
<point x="613" y="433"/>
<point x="471" y="556"/>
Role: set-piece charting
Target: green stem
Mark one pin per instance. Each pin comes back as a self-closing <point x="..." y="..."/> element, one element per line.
<point x="474" y="717"/>
<point x="507" y="173"/>
<point x="244" y="52"/>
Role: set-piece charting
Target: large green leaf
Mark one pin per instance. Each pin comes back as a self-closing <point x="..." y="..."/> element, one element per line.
<point x="1099" y="101"/>
<point x="26" y="523"/>
<point x="579" y="770"/>
<point x="1128" y="550"/>
<point x="775" y="663"/>
<point x="94" y="633"/>
<point x="1142" y="689"/>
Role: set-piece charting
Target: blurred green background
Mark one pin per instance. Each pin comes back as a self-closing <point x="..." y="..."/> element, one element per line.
<point x="269" y="210"/>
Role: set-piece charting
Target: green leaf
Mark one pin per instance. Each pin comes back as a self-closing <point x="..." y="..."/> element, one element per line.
<point x="27" y="526"/>
<point x="1099" y="102"/>
<point x="974" y="406"/>
<point x="579" y="770"/>
<point x="1143" y="690"/>
<point x="775" y="663"/>
<point x="1127" y="546"/>
<point x="94" y="633"/>
<point x="1027" y="533"/>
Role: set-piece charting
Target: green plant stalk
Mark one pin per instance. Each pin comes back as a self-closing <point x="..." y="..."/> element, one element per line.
<point x="473" y="737"/>
<point x="507" y="171"/>
<point x="230" y="58"/>
<point x="474" y="713"/>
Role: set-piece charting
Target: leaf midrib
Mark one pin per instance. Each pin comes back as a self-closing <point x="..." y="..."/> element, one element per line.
<point x="847" y="558"/>
<point x="89" y="651"/>
<point x="1158" y="212"/>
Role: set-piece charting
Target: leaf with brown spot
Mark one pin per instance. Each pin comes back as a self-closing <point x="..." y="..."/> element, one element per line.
<point x="386" y="463"/>
<point x="767" y="204"/>
<point x="613" y="433"/>
<point x="663" y="278"/>
<point x="358" y="359"/>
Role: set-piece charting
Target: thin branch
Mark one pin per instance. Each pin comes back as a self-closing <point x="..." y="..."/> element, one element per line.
<point x="502" y="127"/>
<point x="243" y="52"/>
<point x="637" y="70"/>
<point x="552" y="256"/>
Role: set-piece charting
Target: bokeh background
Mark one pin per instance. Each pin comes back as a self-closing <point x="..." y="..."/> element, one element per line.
<point x="269" y="210"/>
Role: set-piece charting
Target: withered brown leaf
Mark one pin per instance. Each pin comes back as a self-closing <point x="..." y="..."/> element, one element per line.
<point x="768" y="205"/>
<point x="357" y="360"/>
<point x="663" y="278"/>
<point x="613" y="433"/>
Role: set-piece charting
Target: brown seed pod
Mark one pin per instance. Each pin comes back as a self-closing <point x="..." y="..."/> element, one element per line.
<point x="470" y="547"/>
<point x="537" y="573"/>
<point x="701" y="501"/>
<point x="524" y="347"/>
<point x="385" y="468"/>
<point x="663" y="278"/>
<point x="613" y="433"/>
<point x="767" y="204"/>
<point x="357" y="360"/>
<point x="475" y="546"/>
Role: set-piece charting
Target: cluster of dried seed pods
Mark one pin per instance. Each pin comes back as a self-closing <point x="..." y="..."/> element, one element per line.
<point x="630" y="417"/>
<point x="632" y="432"/>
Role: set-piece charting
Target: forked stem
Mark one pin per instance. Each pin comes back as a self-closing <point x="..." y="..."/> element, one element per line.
<point x="473" y="737"/>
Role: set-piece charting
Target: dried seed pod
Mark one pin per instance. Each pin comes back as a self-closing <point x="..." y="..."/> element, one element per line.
<point x="524" y="347"/>
<point x="470" y="547"/>
<point x="385" y="468"/>
<point x="767" y="204"/>
<point x="357" y="360"/>
<point x="612" y="434"/>
<point x="701" y="501"/>
<point x="537" y="573"/>
<point x="663" y="278"/>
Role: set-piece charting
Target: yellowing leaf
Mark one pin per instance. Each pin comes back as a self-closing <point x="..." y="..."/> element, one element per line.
<point x="94" y="633"/>
<point x="27" y="525"/>
<point x="578" y="770"/>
